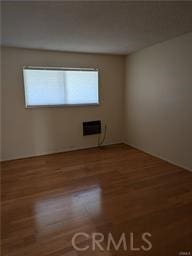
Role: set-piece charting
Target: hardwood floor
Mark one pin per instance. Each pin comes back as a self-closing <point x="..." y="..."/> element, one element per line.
<point x="47" y="199"/>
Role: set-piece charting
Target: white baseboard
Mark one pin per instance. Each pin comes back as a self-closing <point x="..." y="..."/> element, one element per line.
<point x="158" y="156"/>
<point x="66" y="149"/>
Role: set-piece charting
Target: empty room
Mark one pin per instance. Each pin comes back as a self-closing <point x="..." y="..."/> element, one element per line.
<point x="96" y="128"/>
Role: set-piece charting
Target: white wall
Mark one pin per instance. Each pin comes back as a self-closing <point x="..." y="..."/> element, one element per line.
<point x="158" y="100"/>
<point x="29" y="132"/>
<point x="156" y="109"/>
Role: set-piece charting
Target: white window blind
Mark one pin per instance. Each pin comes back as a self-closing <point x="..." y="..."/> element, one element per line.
<point x="60" y="86"/>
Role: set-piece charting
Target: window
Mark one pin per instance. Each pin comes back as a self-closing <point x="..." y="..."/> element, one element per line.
<point x="60" y="86"/>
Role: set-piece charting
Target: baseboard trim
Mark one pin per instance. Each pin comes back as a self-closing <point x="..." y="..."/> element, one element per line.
<point x="160" y="157"/>
<point x="60" y="151"/>
<point x="92" y="147"/>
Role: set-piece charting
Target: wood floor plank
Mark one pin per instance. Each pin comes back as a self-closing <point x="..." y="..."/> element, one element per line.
<point x="115" y="189"/>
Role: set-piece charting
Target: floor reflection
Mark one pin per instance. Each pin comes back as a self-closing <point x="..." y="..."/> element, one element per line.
<point x="65" y="212"/>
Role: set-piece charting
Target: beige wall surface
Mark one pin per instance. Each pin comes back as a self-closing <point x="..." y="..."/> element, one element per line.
<point x="29" y="132"/>
<point x="158" y="100"/>
<point x="156" y="110"/>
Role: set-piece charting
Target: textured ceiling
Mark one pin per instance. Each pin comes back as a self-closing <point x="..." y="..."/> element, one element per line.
<point x="117" y="27"/>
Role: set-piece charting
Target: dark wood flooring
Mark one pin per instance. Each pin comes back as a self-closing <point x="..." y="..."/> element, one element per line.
<point x="47" y="199"/>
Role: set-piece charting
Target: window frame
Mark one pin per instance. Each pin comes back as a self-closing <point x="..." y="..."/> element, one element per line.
<point x="61" y="105"/>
